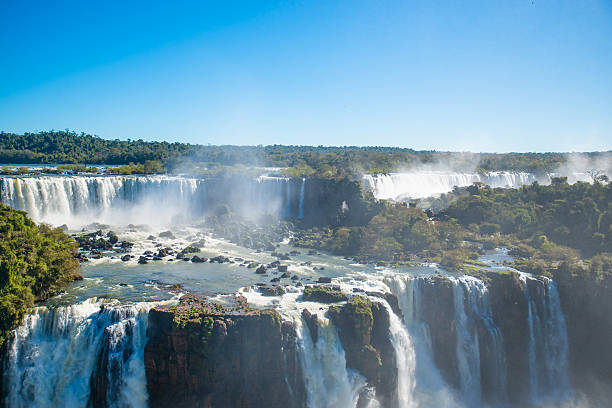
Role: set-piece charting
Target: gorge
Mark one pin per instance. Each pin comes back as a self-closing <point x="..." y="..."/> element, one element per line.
<point x="216" y="334"/>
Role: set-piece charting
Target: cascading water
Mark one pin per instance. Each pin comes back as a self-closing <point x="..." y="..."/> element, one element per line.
<point x="422" y="184"/>
<point x="429" y="388"/>
<point x="329" y="384"/>
<point x="548" y="343"/>
<point x="404" y="353"/>
<point x="68" y="356"/>
<point x="158" y="200"/>
<point x="472" y="307"/>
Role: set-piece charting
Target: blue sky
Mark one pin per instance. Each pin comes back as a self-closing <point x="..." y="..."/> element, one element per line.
<point x="448" y="75"/>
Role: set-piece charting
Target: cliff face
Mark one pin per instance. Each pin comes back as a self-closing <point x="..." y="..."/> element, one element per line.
<point x="363" y="328"/>
<point x="510" y="311"/>
<point x="323" y="203"/>
<point x="587" y="304"/>
<point x="203" y="355"/>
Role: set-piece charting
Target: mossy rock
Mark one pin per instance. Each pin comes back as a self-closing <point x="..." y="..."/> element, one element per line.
<point x="323" y="294"/>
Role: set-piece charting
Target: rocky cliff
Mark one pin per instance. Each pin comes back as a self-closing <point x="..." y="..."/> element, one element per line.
<point x="202" y="354"/>
<point x="363" y="328"/>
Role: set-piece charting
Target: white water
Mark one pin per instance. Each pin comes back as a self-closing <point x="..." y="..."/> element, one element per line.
<point x="429" y="390"/>
<point x="472" y="305"/>
<point x="404" y="353"/>
<point x="329" y="384"/>
<point x="547" y="353"/>
<point x="152" y="200"/>
<point x="55" y="352"/>
<point x="422" y="184"/>
<point x="548" y="343"/>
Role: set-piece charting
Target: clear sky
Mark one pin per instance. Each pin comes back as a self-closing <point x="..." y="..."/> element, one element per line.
<point x="528" y="75"/>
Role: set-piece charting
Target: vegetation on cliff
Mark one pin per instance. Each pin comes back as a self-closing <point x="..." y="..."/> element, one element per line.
<point x="35" y="262"/>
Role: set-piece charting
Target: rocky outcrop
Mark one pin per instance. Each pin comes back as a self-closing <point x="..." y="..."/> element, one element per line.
<point x="202" y="354"/>
<point x="510" y="311"/>
<point x="363" y="328"/>
<point x="438" y="310"/>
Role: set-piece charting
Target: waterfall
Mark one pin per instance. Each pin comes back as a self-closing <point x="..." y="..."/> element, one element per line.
<point x="472" y="307"/>
<point x="329" y="384"/>
<point x="429" y="389"/>
<point x="548" y="343"/>
<point x="301" y="203"/>
<point x="404" y="354"/>
<point x="468" y="351"/>
<point x="152" y="200"/>
<point x="68" y="356"/>
<point x="422" y="184"/>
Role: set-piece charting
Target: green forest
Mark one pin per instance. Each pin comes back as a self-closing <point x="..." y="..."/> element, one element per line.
<point x="544" y="226"/>
<point x="35" y="262"/>
<point x="67" y="147"/>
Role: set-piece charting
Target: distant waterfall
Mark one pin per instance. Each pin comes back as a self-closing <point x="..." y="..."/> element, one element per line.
<point x="157" y="200"/>
<point x="329" y="384"/>
<point x="59" y="356"/>
<point x="422" y="184"/>
<point x="548" y="343"/>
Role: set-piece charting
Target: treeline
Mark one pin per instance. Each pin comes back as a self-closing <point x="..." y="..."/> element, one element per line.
<point x="66" y="147"/>
<point x="578" y="216"/>
<point x="36" y="262"/>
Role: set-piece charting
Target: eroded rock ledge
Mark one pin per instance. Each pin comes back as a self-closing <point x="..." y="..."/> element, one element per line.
<point x="201" y="354"/>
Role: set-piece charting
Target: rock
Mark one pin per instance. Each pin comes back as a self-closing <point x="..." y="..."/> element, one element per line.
<point x="252" y="265"/>
<point x="198" y="244"/>
<point x="312" y="322"/>
<point x="363" y="328"/>
<point x="323" y="294"/>
<point x="151" y="238"/>
<point x="197" y="259"/>
<point x="163" y="252"/>
<point x="202" y="356"/>
<point x="285" y="275"/>
<point x="126" y="258"/>
<point x="112" y="237"/>
<point x="167" y="235"/>
<point x="324" y="279"/>
<point x="294" y="278"/>
<point x="261" y="270"/>
<point x="272" y="290"/>
<point x="220" y="259"/>
<point x="282" y="268"/>
<point x="142" y="260"/>
<point x="274" y="280"/>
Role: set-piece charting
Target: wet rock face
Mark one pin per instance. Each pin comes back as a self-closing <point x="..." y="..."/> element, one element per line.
<point x="587" y="304"/>
<point x="510" y="311"/>
<point x="363" y="328"/>
<point x="204" y="355"/>
<point x="438" y="311"/>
